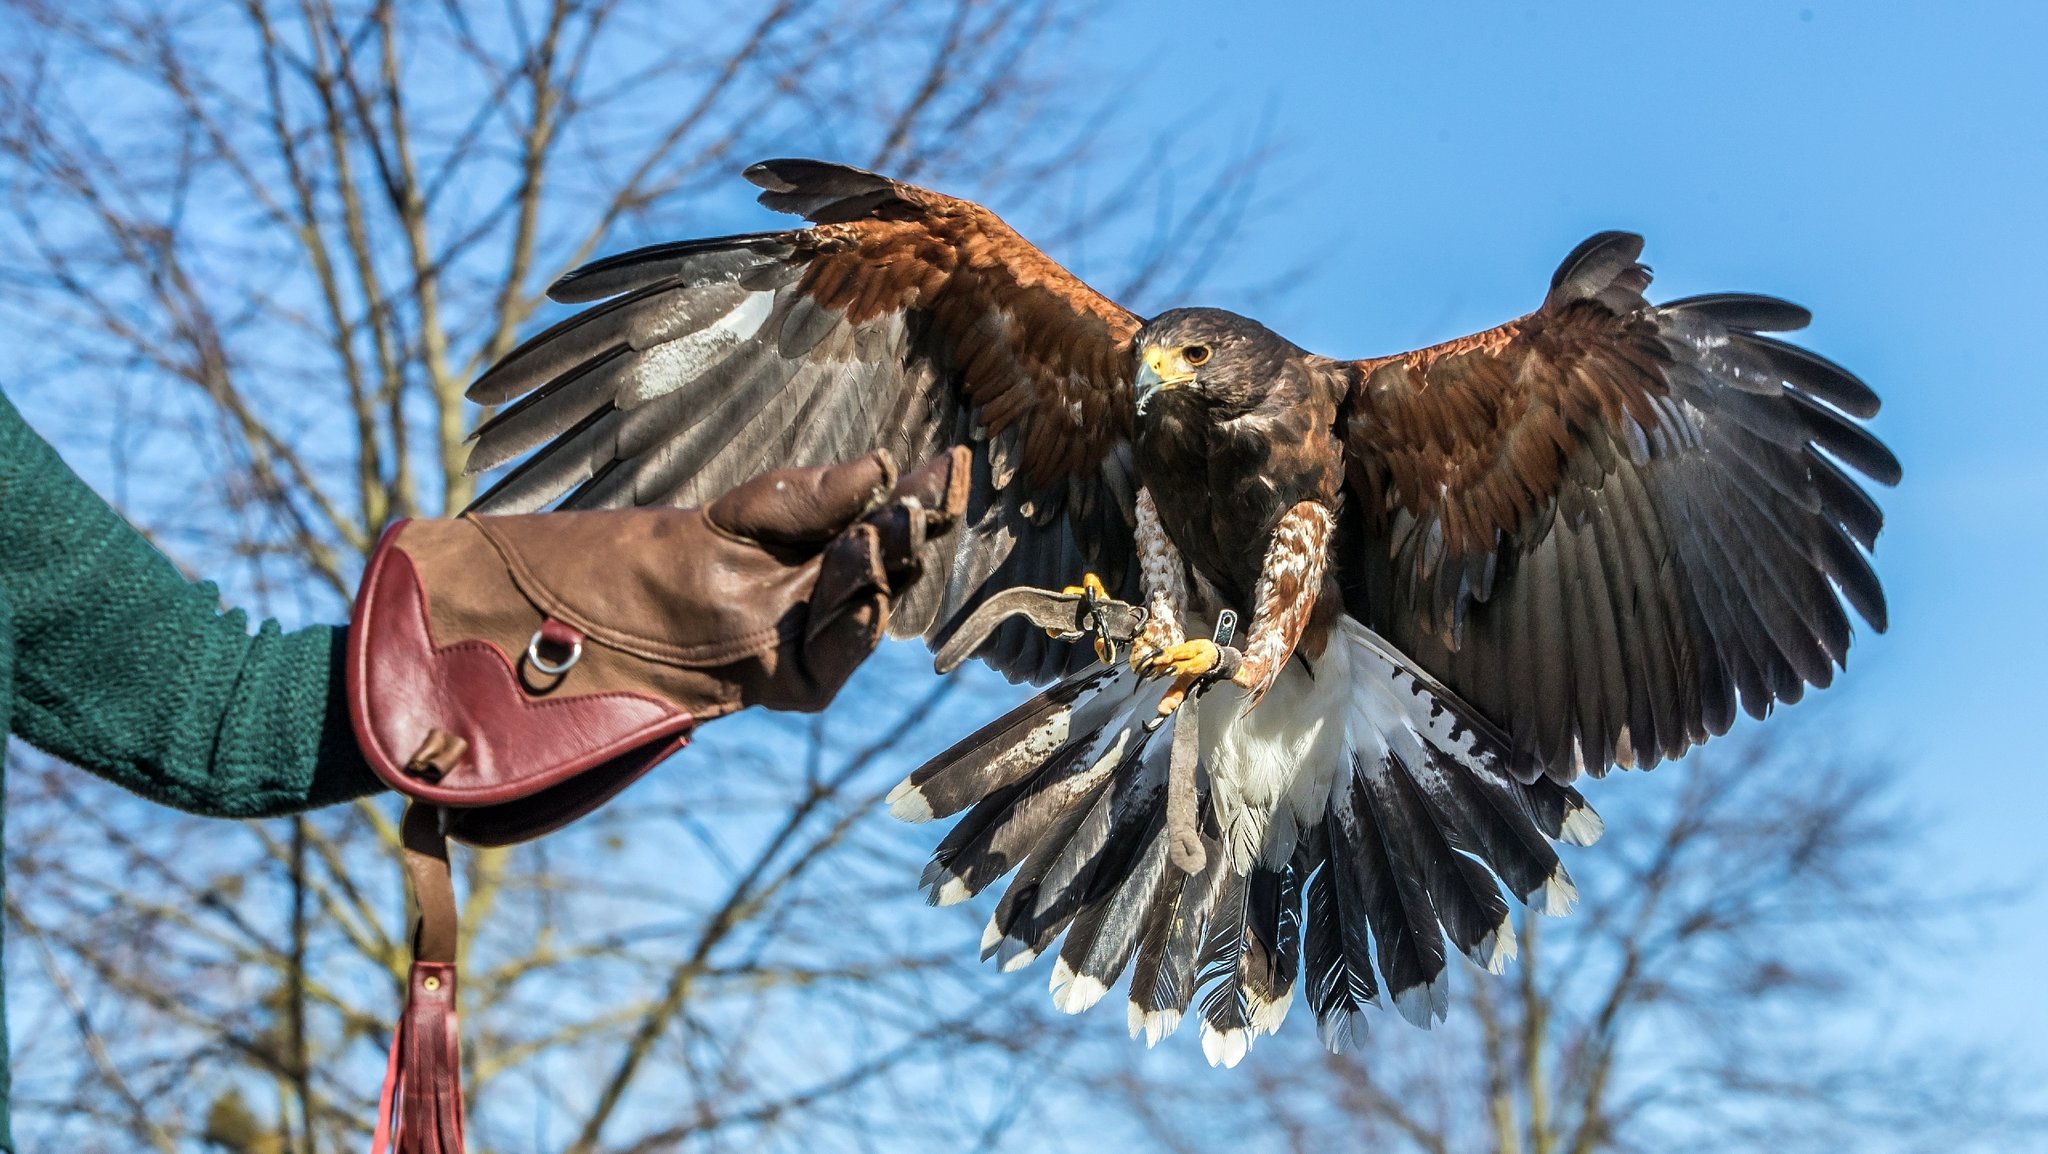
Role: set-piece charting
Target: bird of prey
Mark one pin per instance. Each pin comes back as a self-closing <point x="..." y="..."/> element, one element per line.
<point x="1469" y="572"/>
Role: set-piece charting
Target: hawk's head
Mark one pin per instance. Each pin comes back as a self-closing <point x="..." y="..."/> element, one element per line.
<point x="1210" y="360"/>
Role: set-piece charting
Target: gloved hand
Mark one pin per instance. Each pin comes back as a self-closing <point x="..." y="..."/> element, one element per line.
<point x="770" y="595"/>
<point x="812" y="559"/>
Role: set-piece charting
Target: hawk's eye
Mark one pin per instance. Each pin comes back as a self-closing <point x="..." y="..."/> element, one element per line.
<point x="1195" y="354"/>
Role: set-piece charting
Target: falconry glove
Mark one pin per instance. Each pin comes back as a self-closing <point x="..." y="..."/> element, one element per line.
<point x="510" y="674"/>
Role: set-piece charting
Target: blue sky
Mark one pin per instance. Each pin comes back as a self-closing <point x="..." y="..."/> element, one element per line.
<point x="1882" y="163"/>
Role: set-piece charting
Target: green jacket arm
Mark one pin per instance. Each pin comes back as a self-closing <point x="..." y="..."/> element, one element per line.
<point x="127" y="669"/>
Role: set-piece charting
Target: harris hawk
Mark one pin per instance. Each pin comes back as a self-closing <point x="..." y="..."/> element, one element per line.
<point x="1469" y="572"/>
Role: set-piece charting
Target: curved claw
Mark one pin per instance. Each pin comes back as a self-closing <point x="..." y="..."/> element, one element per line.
<point x="1189" y="660"/>
<point x="1090" y="583"/>
<point x="1091" y="587"/>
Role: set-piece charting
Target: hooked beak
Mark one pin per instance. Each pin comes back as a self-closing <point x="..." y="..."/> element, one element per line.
<point x="1162" y="369"/>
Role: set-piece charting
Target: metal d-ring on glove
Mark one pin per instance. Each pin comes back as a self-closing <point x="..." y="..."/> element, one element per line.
<point x="558" y="637"/>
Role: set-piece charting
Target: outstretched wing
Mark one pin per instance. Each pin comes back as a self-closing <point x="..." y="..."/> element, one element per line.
<point x="902" y="319"/>
<point x="1607" y="522"/>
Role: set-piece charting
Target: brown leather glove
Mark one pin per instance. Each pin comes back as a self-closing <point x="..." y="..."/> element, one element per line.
<point x="494" y="658"/>
<point x="511" y="674"/>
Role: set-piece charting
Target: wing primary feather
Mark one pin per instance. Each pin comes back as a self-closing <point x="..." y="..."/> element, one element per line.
<point x="1850" y="569"/>
<point x="1610" y="670"/>
<point x="1850" y="443"/>
<point x="825" y="193"/>
<point x="1845" y="501"/>
<point x="547" y="412"/>
<point x="571" y="460"/>
<point x="1639" y="620"/>
<point x="1782" y="603"/>
<point x="716" y="259"/>
<point x="1809" y="372"/>
<point x="1601" y="264"/>
<point x="1743" y="312"/>
<point x="1768" y="669"/>
<point x="1549" y="663"/>
<point x="563" y="346"/>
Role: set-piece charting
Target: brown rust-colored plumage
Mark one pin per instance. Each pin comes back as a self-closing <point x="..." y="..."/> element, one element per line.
<point x="1289" y="592"/>
<point x="1036" y="348"/>
<point x="1476" y="431"/>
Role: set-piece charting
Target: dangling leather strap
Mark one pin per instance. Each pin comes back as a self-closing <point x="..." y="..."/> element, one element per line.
<point x="420" y="1109"/>
<point x="426" y="866"/>
<point x="1183" y="819"/>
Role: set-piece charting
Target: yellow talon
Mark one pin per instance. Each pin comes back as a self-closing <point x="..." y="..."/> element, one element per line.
<point x="1090" y="583"/>
<point x="1189" y="659"/>
<point x="1182" y="686"/>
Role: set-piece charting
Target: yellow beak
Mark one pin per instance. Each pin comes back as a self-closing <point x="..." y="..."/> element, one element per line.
<point x="1161" y="370"/>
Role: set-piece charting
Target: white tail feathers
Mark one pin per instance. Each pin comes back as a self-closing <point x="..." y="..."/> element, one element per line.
<point x="1359" y="821"/>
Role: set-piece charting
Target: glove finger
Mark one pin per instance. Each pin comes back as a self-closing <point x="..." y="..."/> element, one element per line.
<point x="900" y="536"/>
<point x="850" y="573"/>
<point x="940" y="487"/>
<point x="849" y="610"/>
<point x="929" y="501"/>
<point x="831" y="657"/>
<point x="804" y="506"/>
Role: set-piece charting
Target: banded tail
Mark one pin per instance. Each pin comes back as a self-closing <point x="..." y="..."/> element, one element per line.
<point x="1356" y="820"/>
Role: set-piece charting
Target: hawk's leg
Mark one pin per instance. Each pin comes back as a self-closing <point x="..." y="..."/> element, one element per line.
<point x="1163" y="577"/>
<point x="1283" y="605"/>
<point x="1284" y="602"/>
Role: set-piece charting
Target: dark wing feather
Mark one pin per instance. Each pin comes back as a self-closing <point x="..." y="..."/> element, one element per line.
<point x="903" y="320"/>
<point x="1338" y="953"/>
<point x="1608" y="523"/>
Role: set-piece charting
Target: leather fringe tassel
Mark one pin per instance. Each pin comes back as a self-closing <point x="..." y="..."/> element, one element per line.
<point x="420" y="1108"/>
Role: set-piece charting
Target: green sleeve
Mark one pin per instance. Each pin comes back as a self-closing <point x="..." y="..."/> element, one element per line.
<point x="125" y="668"/>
